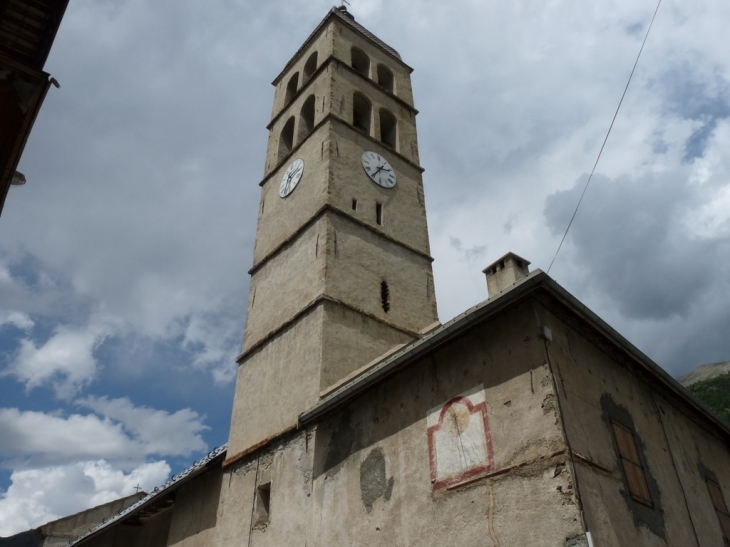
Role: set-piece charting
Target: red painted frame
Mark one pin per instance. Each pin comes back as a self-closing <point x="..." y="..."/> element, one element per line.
<point x="480" y="408"/>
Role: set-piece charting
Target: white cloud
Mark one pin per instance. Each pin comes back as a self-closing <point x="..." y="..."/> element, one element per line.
<point x="37" y="496"/>
<point x="65" y="361"/>
<point x="119" y="432"/>
<point x="15" y="318"/>
<point x="157" y="431"/>
<point x="145" y="169"/>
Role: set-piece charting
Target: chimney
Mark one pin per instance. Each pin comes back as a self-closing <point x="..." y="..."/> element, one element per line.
<point x="505" y="272"/>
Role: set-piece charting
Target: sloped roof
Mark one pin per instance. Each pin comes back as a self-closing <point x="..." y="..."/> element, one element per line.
<point x="348" y="18"/>
<point x="369" y="376"/>
<point x="156" y="500"/>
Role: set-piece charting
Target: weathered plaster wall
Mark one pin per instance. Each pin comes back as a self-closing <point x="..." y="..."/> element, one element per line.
<point x="277" y="382"/>
<point x="286" y="284"/>
<point x="595" y="386"/>
<point x="362" y="260"/>
<point x="353" y="340"/>
<point x="196" y="511"/>
<point x="152" y="534"/>
<point x="696" y="452"/>
<point x="363" y="476"/>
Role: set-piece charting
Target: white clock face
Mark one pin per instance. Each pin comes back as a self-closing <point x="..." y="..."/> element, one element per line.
<point x="378" y="169"/>
<point x="291" y="178"/>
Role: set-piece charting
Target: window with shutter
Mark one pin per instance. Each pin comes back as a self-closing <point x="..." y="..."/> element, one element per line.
<point x="718" y="501"/>
<point x="631" y="463"/>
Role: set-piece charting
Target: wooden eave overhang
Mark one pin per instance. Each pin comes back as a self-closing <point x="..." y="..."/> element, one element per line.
<point x="28" y="29"/>
<point x="18" y="114"/>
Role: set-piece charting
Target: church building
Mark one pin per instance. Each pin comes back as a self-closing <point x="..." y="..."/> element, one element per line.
<point x="361" y="420"/>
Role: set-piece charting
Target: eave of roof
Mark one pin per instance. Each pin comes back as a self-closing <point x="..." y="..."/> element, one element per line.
<point x="28" y="29"/>
<point x="481" y="312"/>
<point x="14" y="150"/>
<point x="213" y="457"/>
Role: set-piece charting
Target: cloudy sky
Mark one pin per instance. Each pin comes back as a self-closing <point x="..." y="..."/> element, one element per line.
<point x="123" y="260"/>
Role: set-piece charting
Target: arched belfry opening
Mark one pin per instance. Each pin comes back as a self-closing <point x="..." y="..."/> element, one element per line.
<point x="360" y="61"/>
<point x="385" y="78"/>
<point x="361" y="112"/>
<point x="291" y="88"/>
<point x="286" y="139"/>
<point x="388" y="128"/>
<point x="310" y="66"/>
<point x="306" y="118"/>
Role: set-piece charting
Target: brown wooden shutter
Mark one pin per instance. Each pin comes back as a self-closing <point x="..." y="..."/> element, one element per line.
<point x="631" y="463"/>
<point x="718" y="501"/>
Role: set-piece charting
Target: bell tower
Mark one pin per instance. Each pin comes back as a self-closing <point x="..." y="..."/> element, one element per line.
<point x="342" y="267"/>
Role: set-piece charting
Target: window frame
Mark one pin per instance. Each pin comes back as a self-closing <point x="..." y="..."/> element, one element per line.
<point x="632" y="466"/>
<point x="720" y="506"/>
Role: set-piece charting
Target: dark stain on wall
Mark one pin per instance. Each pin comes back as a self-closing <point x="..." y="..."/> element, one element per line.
<point x="342" y="441"/>
<point x="707" y="473"/>
<point x="373" y="482"/>
<point x="643" y="515"/>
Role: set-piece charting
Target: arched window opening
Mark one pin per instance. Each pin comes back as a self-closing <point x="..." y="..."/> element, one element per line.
<point x="306" y="120"/>
<point x="360" y="61"/>
<point x="385" y="78"/>
<point x="310" y="66"/>
<point x="291" y="88"/>
<point x="388" y="128"/>
<point x="286" y="139"/>
<point x="361" y="112"/>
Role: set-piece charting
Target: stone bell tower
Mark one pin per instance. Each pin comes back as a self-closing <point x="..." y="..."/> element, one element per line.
<point x="342" y="266"/>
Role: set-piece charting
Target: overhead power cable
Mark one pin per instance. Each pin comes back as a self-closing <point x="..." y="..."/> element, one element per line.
<point x="606" y="138"/>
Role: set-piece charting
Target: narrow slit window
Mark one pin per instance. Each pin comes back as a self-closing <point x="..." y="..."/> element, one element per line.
<point x="718" y="502"/>
<point x="631" y="463"/>
<point x="354" y="205"/>
<point x="379" y="213"/>
<point x="385" y="296"/>
<point x="263" y="504"/>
